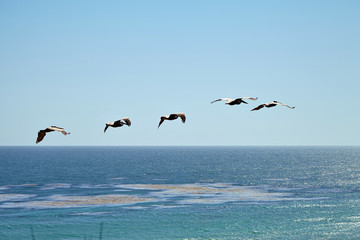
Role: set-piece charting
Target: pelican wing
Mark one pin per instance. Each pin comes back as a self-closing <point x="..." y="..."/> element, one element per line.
<point x="258" y="107"/>
<point x="254" y="99"/>
<point x="223" y="99"/>
<point x="284" y="105"/>
<point x="162" y="119"/>
<point x="59" y="129"/>
<point x="55" y="128"/>
<point x="182" y="116"/>
<point x="216" y="100"/>
<point x="106" y="127"/>
<point x="127" y="121"/>
<point x="41" y="135"/>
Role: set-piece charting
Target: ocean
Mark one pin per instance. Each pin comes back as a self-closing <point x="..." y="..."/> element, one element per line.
<point x="108" y="193"/>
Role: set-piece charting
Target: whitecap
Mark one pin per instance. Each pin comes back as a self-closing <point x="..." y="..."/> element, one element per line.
<point x="52" y="186"/>
<point x="118" y="178"/>
<point x="4" y="188"/>
<point x="90" y="213"/>
<point x="136" y="208"/>
<point x="15" y="197"/>
<point x="166" y="206"/>
<point x="89" y="186"/>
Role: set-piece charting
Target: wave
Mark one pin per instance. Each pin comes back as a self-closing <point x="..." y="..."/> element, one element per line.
<point x="168" y="195"/>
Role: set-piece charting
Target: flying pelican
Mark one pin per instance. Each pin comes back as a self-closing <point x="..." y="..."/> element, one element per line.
<point x="271" y="104"/>
<point x="237" y="101"/>
<point x="42" y="133"/>
<point x="118" y="123"/>
<point x="173" y="117"/>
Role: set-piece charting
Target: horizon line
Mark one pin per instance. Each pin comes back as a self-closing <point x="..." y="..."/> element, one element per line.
<point x="179" y="145"/>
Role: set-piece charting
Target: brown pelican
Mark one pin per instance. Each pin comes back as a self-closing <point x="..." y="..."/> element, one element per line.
<point x="42" y="133"/>
<point x="271" y="104"/>
<point x="173" y="117"/>
<point x="118" y="123"/>
<point x="237" y="101"/>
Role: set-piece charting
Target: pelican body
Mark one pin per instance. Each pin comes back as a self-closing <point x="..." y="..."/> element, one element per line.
<point x="236" y="101"/>
<point x="42" y="133"/>
<point x="118" y="123"/>
<point x="172" y="117"/>
<point x="271" y="104"/>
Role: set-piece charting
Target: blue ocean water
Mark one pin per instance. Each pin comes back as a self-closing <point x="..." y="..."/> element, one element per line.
<point x="179" y="193"/>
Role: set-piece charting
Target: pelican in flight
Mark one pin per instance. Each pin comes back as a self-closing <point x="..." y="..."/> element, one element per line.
<point x="237" y="101"/>
<point x="118" y="123"/>
<point x="173" y="117"/>
<point x="42" y="133"/>
<point x="271" y="104"/>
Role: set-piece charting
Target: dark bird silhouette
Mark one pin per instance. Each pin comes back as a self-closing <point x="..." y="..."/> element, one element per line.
<point x="237" y="101"/>
<point x="173" y="117"/>
<point x="271" y="104"/>
<point x="118" y="123"/>
<point x="42" y="133"/>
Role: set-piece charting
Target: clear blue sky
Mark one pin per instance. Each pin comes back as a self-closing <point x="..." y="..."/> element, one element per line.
<point x="80" y="64"/>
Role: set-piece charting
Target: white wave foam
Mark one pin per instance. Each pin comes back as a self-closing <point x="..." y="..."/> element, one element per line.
<point x="90" y="213"/>
<point x="52" y="186"/>
<point x="118" y="178"/>
<point x="170" y="194"/>
<point x="15" y="197"/>
<point x="207" y="193"/>
<point x="2" y="188"/>
<point x="89" y="186"/>
<point x="136" y="208"/>
<point x="62" y="201"/>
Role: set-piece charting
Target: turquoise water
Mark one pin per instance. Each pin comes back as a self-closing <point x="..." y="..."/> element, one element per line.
<point x="179" y="193"/>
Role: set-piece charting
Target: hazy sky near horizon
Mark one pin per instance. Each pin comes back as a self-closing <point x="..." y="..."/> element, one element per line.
<point x="80" y="64"/>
